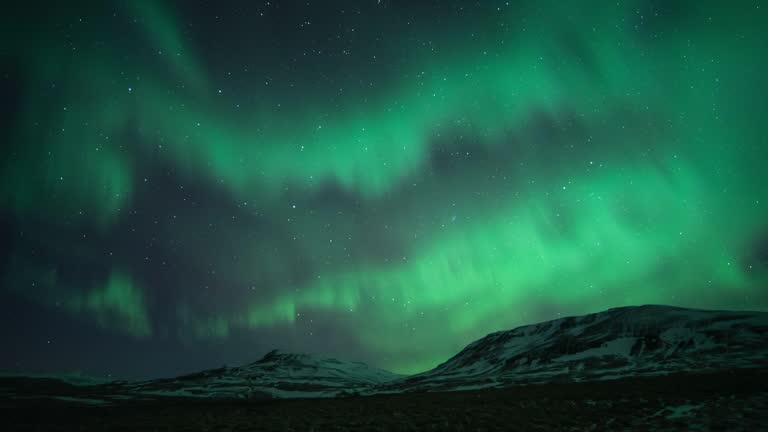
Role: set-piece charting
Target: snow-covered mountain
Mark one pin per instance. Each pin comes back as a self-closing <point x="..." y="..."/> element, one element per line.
<point x="621" y="342"/>
<point x="627" y="341"/>
<point x="277" y="374"/>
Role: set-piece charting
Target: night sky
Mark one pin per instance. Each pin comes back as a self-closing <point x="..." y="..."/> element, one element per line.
<point x="186" y="184"/>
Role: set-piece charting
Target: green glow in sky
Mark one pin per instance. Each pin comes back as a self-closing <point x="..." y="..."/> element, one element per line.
<point x="485" y="171"/>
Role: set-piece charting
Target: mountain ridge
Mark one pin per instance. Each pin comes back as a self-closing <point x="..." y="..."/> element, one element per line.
<point x="630" y="341"/>
<point x="615" y="343"/>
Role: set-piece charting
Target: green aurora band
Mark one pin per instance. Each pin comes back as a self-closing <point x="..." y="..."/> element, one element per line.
<point x="602" y="162"/>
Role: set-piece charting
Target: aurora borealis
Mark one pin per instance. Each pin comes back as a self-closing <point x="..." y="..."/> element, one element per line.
<point x="190" y="183"/>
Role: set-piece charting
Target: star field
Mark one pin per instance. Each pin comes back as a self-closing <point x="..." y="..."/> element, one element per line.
<point x="190" y="183"/>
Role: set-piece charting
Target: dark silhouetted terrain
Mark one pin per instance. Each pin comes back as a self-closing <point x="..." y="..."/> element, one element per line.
<point x="723" y="401"/>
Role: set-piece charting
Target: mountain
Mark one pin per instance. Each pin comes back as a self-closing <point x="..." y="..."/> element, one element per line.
<point x="617" y="343"/>
<point x="277" y="374"/>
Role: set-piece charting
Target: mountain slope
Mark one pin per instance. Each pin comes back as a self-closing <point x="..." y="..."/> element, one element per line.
<point x="617" y="343"/>
<point x="277" y="374"/>
<point x="628" y="341"/>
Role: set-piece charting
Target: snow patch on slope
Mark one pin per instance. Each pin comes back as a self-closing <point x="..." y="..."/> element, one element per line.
<point x="620" y="342"/>
<point x="620" y="347"/>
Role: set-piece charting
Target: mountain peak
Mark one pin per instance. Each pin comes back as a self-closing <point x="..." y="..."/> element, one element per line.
<point x="273" y="355"/>
<point x="278" y="374"/>
<point x="282" y="356"/>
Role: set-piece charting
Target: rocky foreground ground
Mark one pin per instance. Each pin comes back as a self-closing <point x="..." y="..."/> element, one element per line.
<point x="726" y="401"/>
